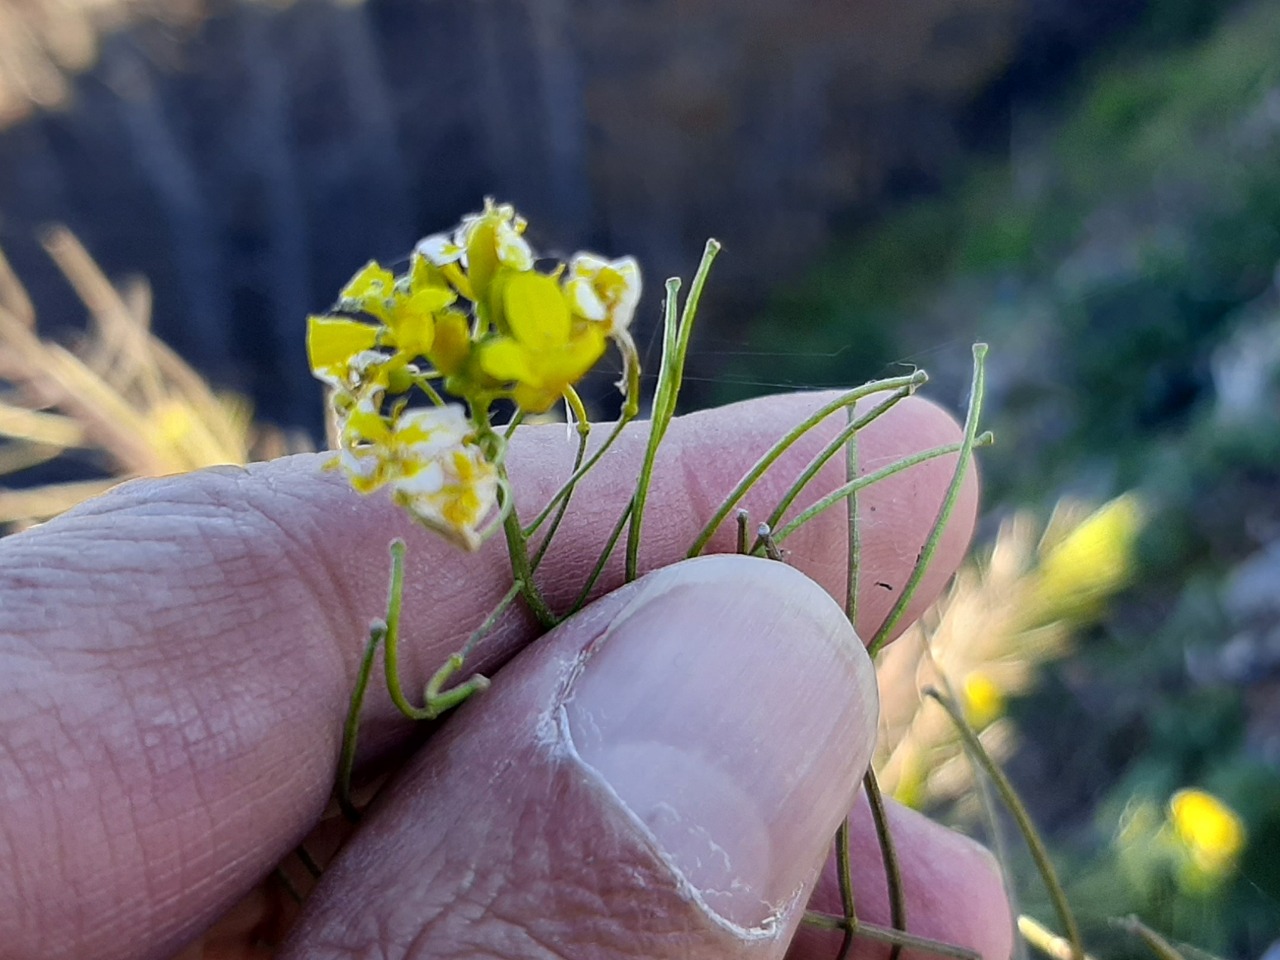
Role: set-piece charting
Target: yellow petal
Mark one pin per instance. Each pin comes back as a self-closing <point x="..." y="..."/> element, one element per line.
<point x="536" y="398"/>
<point x="572" y="360"/>
<point x="412" y="321"/>
<point x="536" y="310"/>
<point x="373" y="280"/>
<point x="423" y="272"/>
<point x="452" y="343"/>
<point x="482" y="257"/>
<point x="364" y="425"/>
<point x="332" y="341"/>
<point x="504" y="359"/>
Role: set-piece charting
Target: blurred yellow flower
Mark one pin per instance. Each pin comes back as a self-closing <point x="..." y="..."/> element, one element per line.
<point x="1077" y="574"/>
<point x="983" y="700"/>
<point x="1211" y="832"/>
<point x="910" y="787"/>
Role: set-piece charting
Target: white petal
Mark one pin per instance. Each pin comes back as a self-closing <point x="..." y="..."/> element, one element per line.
<point x="357" y="465"/>
<point x="586" y="265"/>
<point x="424" y="482"/>
<point x="513" y="250"/>
<point x="584" y="301"/>
<point x="440" y="249"/>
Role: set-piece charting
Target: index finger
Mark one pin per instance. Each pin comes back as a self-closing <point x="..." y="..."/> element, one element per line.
<point x="178" y="655"/>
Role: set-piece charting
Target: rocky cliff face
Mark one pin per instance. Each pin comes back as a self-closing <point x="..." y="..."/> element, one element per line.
<point x="248" y="156"/>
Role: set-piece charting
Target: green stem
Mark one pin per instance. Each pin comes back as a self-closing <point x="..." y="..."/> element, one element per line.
<point x="843" y="492"/>
<point x="522" y="569"/>
<point x="423" y="383"/>
<point x="351" y="727"/>
<point x="781" y="446"/>
<point x="844" y="873"/>
<point x="1161" y="947"/>
<point x="308" y="861"/>
<point x="437" y="702"/>
<point x="517" y="543"/>
<point x="853" y="571"/>
<point x="889" y="853"/>
<point x="391" y="634"/>
<point x="584" y="434"/>
<point x="511" y="427"/>
<point x="676" y="334"/>
<point x="670" y="337"/>
<point x="839" y="440"/>
<point x="871" y="931"/>
<point x="601" y="560"/>
<point x="481" y="631"/>
<point x="671" y="375"/>
<point x="289" y="887"/>
<point x="579" y="472"/>
<point x="1011" y="800"/>
<point x="948" y="502"/>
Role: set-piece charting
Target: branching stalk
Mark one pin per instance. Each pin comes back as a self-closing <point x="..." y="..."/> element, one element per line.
<point x="782" y="445"/>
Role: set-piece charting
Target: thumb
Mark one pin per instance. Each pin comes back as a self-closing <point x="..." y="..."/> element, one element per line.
<point x="659" y="777"/>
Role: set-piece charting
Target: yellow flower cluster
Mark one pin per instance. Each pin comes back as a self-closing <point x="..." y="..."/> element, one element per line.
<point x="473" y="315"/>
<point x="1211" y="832"/>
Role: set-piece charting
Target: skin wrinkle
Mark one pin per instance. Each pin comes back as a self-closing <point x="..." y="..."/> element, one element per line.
<point x="127" y="841"/>
<point x="327" y="582"/>
<point x="194" y="726"/>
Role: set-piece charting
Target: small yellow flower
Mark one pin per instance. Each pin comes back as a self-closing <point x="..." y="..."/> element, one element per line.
<point x="604" y="291"/>
<point x="1210" y="830"/>
<point x="485" y="245"/>
<point x="429" y="461"/>
<point x="495" y="238"/>
<point x="607" y="292"/>
<point x="420" y="297"/>
<point x="983" y="700"/>
<point x="470" y="318"/>
<point x="343" y="350"/>
<point x="911" y="790"/>
<point x="547" y="350"/>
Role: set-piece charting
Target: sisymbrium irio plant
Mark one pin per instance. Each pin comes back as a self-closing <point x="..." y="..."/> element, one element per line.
<point x="417" y="363"/>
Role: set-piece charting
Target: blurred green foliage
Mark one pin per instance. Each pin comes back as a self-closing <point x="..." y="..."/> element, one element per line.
<point x="1110" y="260"/>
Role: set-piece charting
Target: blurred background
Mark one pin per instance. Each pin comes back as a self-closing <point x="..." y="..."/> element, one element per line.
<point x="1092" y="188"/>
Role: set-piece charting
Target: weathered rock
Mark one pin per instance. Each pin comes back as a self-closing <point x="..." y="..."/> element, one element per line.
<point x="247" y="157"/>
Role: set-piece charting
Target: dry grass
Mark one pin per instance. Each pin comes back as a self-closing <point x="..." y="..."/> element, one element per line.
<point x="985" y="640"/>
<point x="120" y="399"/>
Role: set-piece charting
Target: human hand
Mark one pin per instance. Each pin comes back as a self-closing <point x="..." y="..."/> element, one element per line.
<point x="658" y="777"/>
